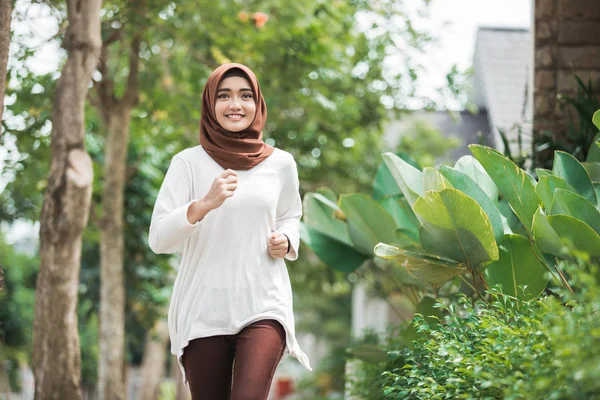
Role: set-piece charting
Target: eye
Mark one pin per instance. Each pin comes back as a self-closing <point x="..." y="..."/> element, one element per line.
<point x="222" y="96"/>
<point x="247" y="96"/>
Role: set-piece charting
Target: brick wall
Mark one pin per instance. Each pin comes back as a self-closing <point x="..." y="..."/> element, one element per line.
<point x="567" y="43"/>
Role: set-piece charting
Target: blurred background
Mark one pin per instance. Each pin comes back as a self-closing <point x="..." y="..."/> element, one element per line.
<point x="344" y="82"/>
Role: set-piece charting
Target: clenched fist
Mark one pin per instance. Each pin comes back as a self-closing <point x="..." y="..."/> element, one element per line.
<point x="278" y="245"/>
<point x="222" y="188"/>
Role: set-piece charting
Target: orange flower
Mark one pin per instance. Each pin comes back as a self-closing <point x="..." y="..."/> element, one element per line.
<point x="260" y="19"/>
<point x="243" y="16"/>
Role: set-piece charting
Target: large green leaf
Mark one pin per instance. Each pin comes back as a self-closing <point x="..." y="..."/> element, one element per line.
<point x="454" y="226"/>
<point x="465" y="184"/>
<point x="569" y="203"/>
<point x="403" y="215"/>
<point x="474" y="170"/>
<point x="577" y="236"/>
<point x="433" y="315"/>
<point x="568" y="168"/>
<point x="368" y="222"/>
<point x="408" y="178"/>
<point x="546" y="187"/>
<point x="518" y="266"/>
<point x="334" y="253"/>
<point x="593" y="169"/>
<point x="513" y="182"/>
<point x="546" y="238"/>
<point x="319" y="214"/>
<point x="542" y="172"/>
<point x="594" y="151"/>
<point x="430" y="270"/>
<point x="384" y="184"/>
<point x="596" y="119"/>
<point x="433" y="180"/>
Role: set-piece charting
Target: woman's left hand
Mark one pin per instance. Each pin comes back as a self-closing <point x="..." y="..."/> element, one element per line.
<point x="278" y="245"/>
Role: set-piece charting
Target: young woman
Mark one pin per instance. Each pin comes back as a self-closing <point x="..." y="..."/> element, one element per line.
<point x="232" y="205"/>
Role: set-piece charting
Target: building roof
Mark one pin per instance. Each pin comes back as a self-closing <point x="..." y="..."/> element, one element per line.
<point x="464" y="125"/>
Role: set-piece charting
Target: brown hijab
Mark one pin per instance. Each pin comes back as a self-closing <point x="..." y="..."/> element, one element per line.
<point x="240" y="150"/>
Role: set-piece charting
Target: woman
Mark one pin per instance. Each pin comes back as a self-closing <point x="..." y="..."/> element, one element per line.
<point x="233" y="205"/>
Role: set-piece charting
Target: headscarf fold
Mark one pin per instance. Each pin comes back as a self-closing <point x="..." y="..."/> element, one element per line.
<point x="236" y="150"/>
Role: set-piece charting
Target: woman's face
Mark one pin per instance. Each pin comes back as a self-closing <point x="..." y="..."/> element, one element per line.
<point x="235" y="106"/>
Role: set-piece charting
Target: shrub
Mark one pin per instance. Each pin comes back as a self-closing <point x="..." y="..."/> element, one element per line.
<point x="504" y="348"/>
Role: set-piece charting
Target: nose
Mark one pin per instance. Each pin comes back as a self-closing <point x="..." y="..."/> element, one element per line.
<point x="235" y="103"/>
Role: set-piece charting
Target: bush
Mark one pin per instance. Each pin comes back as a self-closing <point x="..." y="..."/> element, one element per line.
<point x="504" y="348"/>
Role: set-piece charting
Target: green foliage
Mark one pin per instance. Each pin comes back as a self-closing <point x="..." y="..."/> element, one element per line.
<point x="505" y="348"/>
<point x="17" y="301"/>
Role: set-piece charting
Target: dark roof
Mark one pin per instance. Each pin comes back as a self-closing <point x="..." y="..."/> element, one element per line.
<point x="467" y="127"/>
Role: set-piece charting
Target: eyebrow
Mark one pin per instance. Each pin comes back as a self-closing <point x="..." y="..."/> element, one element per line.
<point x="229" y="90"/>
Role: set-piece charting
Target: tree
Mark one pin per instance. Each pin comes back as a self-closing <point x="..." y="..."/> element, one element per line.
<point x="5" y="11"/>
<point x="56" y="354"/>
<point x="116" y="113"/>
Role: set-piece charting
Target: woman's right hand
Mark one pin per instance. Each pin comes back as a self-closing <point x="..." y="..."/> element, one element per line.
<point x="222" y="188"/>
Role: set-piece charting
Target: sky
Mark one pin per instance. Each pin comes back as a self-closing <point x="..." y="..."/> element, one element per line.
<point x="455" y="23"/>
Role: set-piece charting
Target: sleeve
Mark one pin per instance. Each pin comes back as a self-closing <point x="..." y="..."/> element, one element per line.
<point x="169" y="226"/>
<point x="289" y="209"/>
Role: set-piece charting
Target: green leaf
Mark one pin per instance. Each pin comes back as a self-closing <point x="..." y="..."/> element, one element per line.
<point x="368" y="222"/>
<point x="433" y="180"/>
<point x="335" y="253"/>
<point x="577" y="236"/>
<point x="474" y="170"/>
<point x="454" y="226"/>
<point x="402" y="214"/>
<point x="546" y="187"/>
<point x="408" y="178"/>
<point x="328" y="193"/>
<point x="465" y="184"/>
<point x="569" y="203"/>
<point x="542" y="172"/>
<point x="568" y="168"/>
<point x="596" y="119"/>
<point x="319" y="214"/>
<point x="513" y="182"/>
<point x="518" y="266"/>
<point x="594" y="151"/>
<point x="593" y="170"/>
<point x="546" y="238"/>
<point x="433" y="271"/>
<point x="384" y="184"/>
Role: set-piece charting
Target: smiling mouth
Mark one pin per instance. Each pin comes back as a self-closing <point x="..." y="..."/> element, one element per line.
<point x="235" y="117"/>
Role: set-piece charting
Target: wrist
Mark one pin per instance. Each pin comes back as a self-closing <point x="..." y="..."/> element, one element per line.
<point x="197" y="211"/>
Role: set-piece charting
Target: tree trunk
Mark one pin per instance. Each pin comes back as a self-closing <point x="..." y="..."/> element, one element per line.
<point x="5" y="12"/>
<point x="117" y="118"/>
<point x="112" y="289"/>
<point x="56" y="354"/>
<point x="153" y="365"/>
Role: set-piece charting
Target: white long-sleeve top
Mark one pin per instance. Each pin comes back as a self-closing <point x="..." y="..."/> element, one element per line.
<point x="227" y="278"/>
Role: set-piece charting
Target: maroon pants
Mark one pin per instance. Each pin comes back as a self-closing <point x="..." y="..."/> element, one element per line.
<point x="256" y="349"/>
